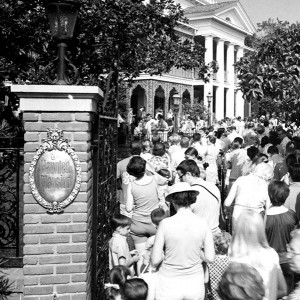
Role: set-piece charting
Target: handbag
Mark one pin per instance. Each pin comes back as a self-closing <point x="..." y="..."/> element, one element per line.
<point x="150" y="277"/>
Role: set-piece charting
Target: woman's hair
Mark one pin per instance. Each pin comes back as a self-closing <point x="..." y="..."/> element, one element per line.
<point x="212" y="139"/>
<point x="119" y="274"/>
<point x="251" y="139"/>
<point x="136" y="148"/>
<point x="293" y="164"/>
<point x="273" y="150"/>
<point x="238" y="141"/>
<point x="264" y="141"/>
<point x="241" y="282"/>
<point x="135" y="289"/>
<point x="136" y="167"/>
<point x="119" y="220"/>
<point x="263" y="171"/>
<point x="183" y="199"/>
<point x="278" y="192"/>
<point x="220" y="132"/>
<point x="159" y="149"/>
<point x="192" y="151"/>
<point x="252" y="152"/>
<point x="174" y="139"/>
<point x="222" y="242"/>
<point x="249" y="237"/>
<point x="196" y="137"/>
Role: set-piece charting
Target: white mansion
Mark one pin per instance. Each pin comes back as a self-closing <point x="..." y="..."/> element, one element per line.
<point x="222" y="29"/>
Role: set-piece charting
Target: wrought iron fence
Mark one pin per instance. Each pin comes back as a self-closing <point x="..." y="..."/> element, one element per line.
<point x="11" y="169"/>
<point x="105" y="182"/>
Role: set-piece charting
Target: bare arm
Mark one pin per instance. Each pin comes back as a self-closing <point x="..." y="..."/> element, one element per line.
<point x="129" y="262"/>
<point x="129" y="198"/>
<point x="157" y="251"/>
<point x="232" y="194"/>
<point x="209" y="248"/>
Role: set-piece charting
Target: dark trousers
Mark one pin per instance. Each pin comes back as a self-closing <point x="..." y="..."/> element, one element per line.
<point x="289" y="277"/>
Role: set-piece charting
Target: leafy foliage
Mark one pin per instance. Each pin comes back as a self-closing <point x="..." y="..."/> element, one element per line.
<point x="271" y="73"/>
<point x="194" y="110"/>
<point x="138" y="37"/>
<point x="5" y="286"/>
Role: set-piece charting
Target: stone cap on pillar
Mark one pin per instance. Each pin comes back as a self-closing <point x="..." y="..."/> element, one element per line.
<point x="58" y="97"/>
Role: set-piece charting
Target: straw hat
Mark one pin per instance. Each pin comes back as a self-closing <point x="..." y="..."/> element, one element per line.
<point x="181" y="187"/>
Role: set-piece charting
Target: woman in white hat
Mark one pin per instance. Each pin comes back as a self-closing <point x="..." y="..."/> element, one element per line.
<point x="182" y="243"/>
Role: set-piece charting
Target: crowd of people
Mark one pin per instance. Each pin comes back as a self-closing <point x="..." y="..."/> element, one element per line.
<point x="170" y="236"/>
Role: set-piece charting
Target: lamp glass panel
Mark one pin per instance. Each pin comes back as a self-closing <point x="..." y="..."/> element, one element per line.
<point x="176" y="99"/>
<point x="62" y="19"/>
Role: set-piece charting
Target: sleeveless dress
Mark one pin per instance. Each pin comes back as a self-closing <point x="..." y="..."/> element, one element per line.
<point x="145" y="199"/>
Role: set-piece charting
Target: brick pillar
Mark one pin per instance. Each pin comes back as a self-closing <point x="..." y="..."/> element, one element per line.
<point x="57" y="247"/>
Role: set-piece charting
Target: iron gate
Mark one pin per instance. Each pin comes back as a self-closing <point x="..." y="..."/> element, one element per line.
<point x="11" y="168"/>
<point x="105" y="183"/>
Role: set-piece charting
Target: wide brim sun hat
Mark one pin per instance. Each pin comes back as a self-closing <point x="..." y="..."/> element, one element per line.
<point x="181" y="187"/>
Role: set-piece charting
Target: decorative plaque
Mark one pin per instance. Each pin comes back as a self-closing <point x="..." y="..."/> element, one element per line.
<point x="55" y="173"/>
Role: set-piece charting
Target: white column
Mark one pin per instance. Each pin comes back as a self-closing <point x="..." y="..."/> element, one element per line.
<point x="239" y="53"/>
<point x="230" y="91"/>
<point x="220" y="60"/>
<point x="240" y="102"/>
<point x="208" y="57"/>
<point x="220" y="79"/>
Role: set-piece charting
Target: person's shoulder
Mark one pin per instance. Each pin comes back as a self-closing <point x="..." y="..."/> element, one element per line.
<point x="124" y="162"/>
<point x="209" y="186"/>
<point x="271" y="255"/>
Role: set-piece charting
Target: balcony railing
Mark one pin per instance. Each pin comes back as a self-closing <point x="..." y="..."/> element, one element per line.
<point x="182" y="73"/>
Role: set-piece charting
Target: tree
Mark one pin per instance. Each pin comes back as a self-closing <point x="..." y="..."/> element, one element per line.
<point x="271" y="73"/>
<point x="194" y="110"/>
<point x="138" y="37"/>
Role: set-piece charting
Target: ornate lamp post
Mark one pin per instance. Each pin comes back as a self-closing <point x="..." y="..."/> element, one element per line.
<point x="176" y="101"/>
<point x="209" y="98"/>
<point x="62" y="15"/>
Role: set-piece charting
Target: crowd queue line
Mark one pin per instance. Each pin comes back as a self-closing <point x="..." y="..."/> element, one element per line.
<point x="173" y="195"/>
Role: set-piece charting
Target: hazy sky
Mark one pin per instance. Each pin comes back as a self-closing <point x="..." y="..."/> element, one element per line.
<point x="262" y="10"/>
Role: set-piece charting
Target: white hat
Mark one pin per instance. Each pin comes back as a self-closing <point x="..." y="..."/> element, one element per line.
<point x="181" y="187"/>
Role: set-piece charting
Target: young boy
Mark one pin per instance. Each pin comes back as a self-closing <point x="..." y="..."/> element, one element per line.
<point x="119" y="253"/>
<point x="217" y="268"/>
<point x="157" y="215"/>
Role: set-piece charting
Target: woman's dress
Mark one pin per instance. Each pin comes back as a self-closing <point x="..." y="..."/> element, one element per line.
<point x="181" y="275"/>
<point x="211" y="158"/>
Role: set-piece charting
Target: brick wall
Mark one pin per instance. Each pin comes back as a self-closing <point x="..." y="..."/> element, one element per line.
<point x="57" y="248"/>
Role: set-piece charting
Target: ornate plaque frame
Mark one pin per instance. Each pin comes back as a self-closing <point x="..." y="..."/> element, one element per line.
<point x="55" y="141"/>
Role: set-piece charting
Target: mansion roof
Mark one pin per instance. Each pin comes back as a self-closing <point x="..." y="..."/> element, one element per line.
<point x="199" y="8"/>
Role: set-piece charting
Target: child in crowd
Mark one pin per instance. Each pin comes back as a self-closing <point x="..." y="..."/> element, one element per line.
<point x="123" y="287"/>
<point x="157" y="215"/>
<point x="135" y="289"/>
<point x="117" y="277"/>
<point x="119" y="253"/>
<point x="162" y="189"/>
<point x="217" y="268"/>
